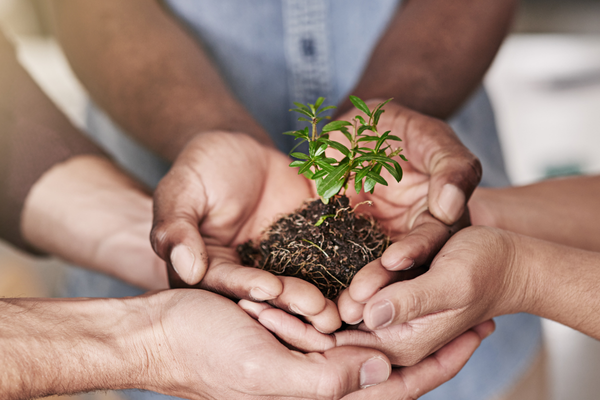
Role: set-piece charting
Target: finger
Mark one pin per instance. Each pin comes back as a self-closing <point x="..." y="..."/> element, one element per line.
<point x="441" y="366"/>
<point x="419" y="246"/>
<point x="407" y="300"/>
<point x="226" y="277"/>
<point x="295" y="332"/>
<point x="373" y="277"/>
<point x="336" y="372"/>
<point x="413" y="382"/>
<point x="351" y="311"/>
<point x="253" y="308"/>
<point x="175" y="236"/>
<point x="434" y="149"/>
<point x="299" y="297"/>
<point x="328" y="320"/>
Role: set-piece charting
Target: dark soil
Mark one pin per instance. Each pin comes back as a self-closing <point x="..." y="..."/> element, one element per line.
<point x="328" y="255"/>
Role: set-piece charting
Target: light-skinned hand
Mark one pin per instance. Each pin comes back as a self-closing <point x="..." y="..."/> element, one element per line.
<point x="423" y="375"/>
<point x="224" y="189"/>
<point x="203" y="345"/>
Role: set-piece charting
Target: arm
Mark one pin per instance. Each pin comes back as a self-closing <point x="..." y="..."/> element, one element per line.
<point x="34" y="136"/>
<point x="163" y="94"/>
<point x="497" y="273"/>
<point x="564" y="210"/>
<point x="67" y="346"/>
<point x="435" y="53"/>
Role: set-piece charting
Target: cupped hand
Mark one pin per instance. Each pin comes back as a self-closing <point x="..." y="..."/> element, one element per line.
<point x="476" y="276"/>
<point x="203" y="345"/>
<point x="423" y="210"/>
<point x="224" y="189"/>
<point x="422" y="376"/>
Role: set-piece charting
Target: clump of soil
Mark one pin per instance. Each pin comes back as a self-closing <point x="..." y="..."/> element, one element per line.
<point x="328" y="254"/>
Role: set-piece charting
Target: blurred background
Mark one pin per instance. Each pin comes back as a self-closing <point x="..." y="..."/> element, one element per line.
<point x="545" y="86"/>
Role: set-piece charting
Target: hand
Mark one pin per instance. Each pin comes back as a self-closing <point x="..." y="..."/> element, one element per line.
<point x="231" y="187"/>
<point x="423" y="210"/>
<point x="204" y="346"/>
<point x="479" y="274"/>
<point x="88" y="212"/>
<point x="404" y="383"/>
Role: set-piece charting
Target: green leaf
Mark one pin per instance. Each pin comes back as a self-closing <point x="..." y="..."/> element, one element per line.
<point x="335" y="126"/>
<point x="299" y="155"/>
<point x="369" y="185"/>
<point x="357" y="185"/>
<point x="368" y="139"/>
<point x="326" y="108"/>
<point x="358" y="103"/>
<point x="376" y="116"/>
<point x="402" y="157"/>
<point x="393" y="137"/>
<point x="361" y="120"/>
<point x="319" y="101"/>
<point x="347" y="134"/>
<point x="376" y="177"/>
<point x="300" y="105"/>
<point x="380" y="105"/>
<point x="333" y="183"/>
<point x="321" y="150"/>
<point x="393" y="171"/>
<point x="339" y="147"/>
<point x="296" y="163"/>
<point x="302" y="111"/>
<point x="323" y="218"/>
<point x="305" y="167"/>
<point x="398" y="170"/>
<point x="319" y="174"/>
<point x="364" y="128"/>
<point x="325" y="164"/>
<point x="361" y="174"/>
<point x="381" y="140"/>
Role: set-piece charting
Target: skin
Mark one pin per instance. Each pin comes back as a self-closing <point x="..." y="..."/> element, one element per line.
<point x="433" y="77"/>
<point x="435" y="54"/>
<point x="543" y="261"/>
<point x="142" y="342"/>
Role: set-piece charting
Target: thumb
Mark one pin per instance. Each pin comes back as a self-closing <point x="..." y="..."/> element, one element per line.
<point x="337" y="372"/>
<point x="405" y="301"/>
<point x="434" y="149"/>
<point x="178" y="210"/>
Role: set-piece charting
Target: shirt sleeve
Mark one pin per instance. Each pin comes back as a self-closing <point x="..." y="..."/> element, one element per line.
<point x="34" y="136"/>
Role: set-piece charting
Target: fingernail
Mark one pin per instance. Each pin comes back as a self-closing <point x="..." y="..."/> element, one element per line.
<point x="183" y="260"/>
<point x="374" y="371"/>
<point x="260" y="295"/>
<point x="406" y="263"/>
<point x="382" y="314"/>
<point x="451" y="201"/>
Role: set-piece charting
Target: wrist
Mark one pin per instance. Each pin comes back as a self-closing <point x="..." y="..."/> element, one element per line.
<point x="483" y="209"/>
<point x="64" y="346"/>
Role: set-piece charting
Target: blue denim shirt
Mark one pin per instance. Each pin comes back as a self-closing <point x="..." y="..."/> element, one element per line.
<point x="274" y="52"/>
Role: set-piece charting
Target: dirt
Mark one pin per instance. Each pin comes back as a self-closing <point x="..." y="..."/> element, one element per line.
<point x="328" y="254"/>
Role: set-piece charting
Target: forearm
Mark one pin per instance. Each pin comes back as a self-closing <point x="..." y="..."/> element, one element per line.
<point x="88" y="212"/>
<point x="34" y="136"/>
<point x="435" y="53"/>
<point x="564" y="211"/>
<point x="143" y="69"/>
<point x="66" y="346"/>
<point x="562" y="283"/>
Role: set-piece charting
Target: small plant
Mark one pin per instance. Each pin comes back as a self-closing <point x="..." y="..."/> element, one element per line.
<point x="325" y="242"/>
<point x="363" y="165"/>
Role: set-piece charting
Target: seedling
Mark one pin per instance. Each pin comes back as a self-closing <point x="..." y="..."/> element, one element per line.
<point x="362" y="165"/>
<point x="325" y="242"/>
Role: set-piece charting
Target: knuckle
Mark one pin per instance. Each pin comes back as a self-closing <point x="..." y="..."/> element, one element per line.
<point x="331" y="386"/>
<point x="249" y="376"/>
<point x="409" y="307"/>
